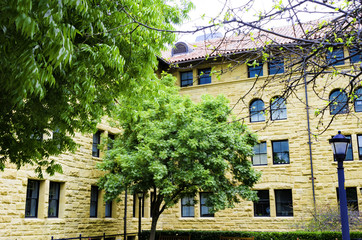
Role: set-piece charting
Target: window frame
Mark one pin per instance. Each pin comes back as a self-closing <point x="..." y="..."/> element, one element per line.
<point x="259" y="154"/>
<point x="187" y="203"/>
<point x="53" y="199"/>
<point x="95" y="144"/>
<point x="94" y="202"/>
<point x="276" y="66"/>
<point x="273" y="151"/>
<point x="278" y="105"/>
<point x="358" y="100"/>
<point x="254" y="70"/>
<point x="281" y="204"/>
<point x="31" y="200"/>
<point x="341" y="107"/>
<point x="189" y="81"/>
<point x="136" y="204"/>
<point x="257" y="112"/>
<point x="205" y="77"/>
<point x="263" y="204"/>
<point x="205" y="195"/>
<point x="332" y="58"/>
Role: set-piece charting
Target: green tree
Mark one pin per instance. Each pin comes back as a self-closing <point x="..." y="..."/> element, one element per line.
<point x="62" y="63"/>
<point x="175" y="148"/>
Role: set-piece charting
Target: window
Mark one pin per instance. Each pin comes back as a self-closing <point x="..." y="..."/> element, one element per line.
<point x="352" y="200"/>
<point x="136" y="205"/>
<point x="204" y="208"/>
<point x="204" y="76"/>
<point x="359" y="138"/>
<point x="262" y="206"/>
<point x="278" y="109"/>
<point x="358" y="100"/>
<point x="187" y="207"/>
<point x="338" y="102"/>
<point x="32" y="199"/>
<point x="284" y="202"/>
<point x="255" y="70"/>
<point x="186" y="79"/>
<point x="108" y="209"/>
<point x="54" y="193"/>
<point x="335" y="57"/>
<point x="280" y="152"/>
<point x="260" y="157"/>
<point x="356" y="55"/>
<point x="96" y="142"/>
<point x="349" y="154"/>
<point x="276" y="66"/>
<point x="111" y="138"/>
<point x="94" y="201"/>
<point x="257" y="111"/>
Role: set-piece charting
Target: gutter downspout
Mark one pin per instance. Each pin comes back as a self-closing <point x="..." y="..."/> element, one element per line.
<point x="309" y="139"/>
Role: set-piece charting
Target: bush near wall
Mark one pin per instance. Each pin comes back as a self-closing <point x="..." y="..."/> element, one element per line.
<point x="215" y="235"/>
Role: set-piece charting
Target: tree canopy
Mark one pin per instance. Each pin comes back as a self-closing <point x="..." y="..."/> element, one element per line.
<point x="62" y="63"/>
<point x="174" y="148"/>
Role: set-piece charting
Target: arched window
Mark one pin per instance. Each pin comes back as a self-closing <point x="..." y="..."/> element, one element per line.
<point x="278" y="109"/>
<point x="180" y="48"/>
<point x="338" y="102"/>
<point x="257" y="111"/>
<point x="358" y="100"/>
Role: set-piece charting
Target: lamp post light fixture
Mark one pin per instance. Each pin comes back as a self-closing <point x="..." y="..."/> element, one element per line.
<point x="339" y="145"/>
<point x="140" y="196"/>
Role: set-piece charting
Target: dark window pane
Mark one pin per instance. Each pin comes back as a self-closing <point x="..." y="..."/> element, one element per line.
<point x="276" y="66"/>
<point x="187" y="207"/>
<point x="358" y="100"/>
<point x="352" y="200"/>
<point x="334" y="57"/>
<point x="32" y="198"/>
<point x="254" y="71"/>
<point x="54" y="190"/>
<point x="108" y="210"/>
<point x="94" y="201"/>
<point x="186" y="79"/>
<point x="278" y="109"/>
<point x="338" y="102"/>
<point x="204" y="76"/>
<point x="359" y="138"/>
<point x="280" y="152"/>
<point x="284" y="202"/>
<point x="257" y="111"/>
<point x="204" y="208"/>
<point x="356" y="55"/>
<point x="262" y="206"/>
<point x="260" y="154"/>
<point x="96" y="142"/>
<point x="349" y="154"/>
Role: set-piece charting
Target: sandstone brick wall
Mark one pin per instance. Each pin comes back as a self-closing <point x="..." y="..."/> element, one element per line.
<point x="80" y="173"/>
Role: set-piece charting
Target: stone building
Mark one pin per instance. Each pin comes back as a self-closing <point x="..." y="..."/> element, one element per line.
<point x="298" y="171"/>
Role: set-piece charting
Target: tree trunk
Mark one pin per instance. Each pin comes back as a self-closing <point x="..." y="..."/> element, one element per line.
<point x="155" y="217"/>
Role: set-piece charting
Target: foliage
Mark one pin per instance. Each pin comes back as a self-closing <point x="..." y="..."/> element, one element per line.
<point x="62" y="63"/>
<point x="215" y="235"/>
<point x="328" y="218"/>
<point x="175" y="148"/>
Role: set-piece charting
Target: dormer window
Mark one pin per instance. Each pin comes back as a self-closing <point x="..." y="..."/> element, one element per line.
<point x="180" y="48"/>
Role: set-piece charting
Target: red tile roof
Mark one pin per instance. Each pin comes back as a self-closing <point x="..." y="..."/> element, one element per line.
<point x="241" y="43"/>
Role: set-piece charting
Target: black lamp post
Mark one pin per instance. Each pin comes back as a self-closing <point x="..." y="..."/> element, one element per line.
<point x="339" y="145"/>
<point x="140" y="196"/>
